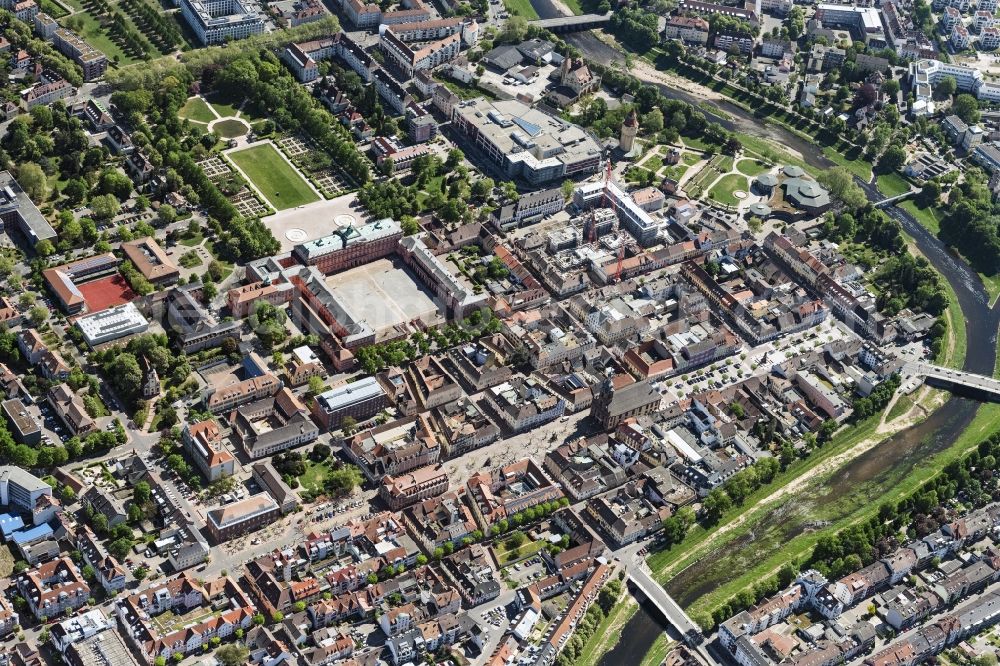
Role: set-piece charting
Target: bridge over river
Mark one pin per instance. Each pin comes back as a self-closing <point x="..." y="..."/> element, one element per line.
<point x="573" y="23"/>
<point x="969" y="384"/>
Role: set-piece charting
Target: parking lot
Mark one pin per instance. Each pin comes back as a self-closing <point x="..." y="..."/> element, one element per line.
<point x="331" y="510"/>
<point x="756" y="361"/>
<point x="524" y="573"/>
<point x="534" y="87"/>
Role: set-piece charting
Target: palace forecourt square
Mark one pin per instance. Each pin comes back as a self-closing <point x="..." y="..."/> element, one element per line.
<point x="385" y="294"/>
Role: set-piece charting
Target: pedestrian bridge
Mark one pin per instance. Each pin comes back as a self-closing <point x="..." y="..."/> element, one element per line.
<point x="675" y="615"/>
<point x="573" y="23"/>
<point x="960" y="382"/>
<point x="891" y="201"/>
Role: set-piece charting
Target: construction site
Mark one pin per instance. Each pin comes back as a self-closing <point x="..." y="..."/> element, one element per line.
<point x="614" y="235"/>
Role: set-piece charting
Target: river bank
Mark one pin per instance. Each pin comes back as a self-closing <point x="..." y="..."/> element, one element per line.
<point x="874" y="467"/>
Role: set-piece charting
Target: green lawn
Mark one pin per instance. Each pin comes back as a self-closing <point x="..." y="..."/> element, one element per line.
<point x="956" y="323"/>
<point x="230" y="128"/>
<point x="676" y="172"/>
<point x="192" y="240"/>
<point x="227" y="267"/>
<point x="607" y="634"/>
<point x="859" y="167"/>
<point x="691" y="549"/>
<point x="723" y="190"/>
<point x="524" y="552"/>
<point x="892" y="184"/>
<point x="314" y="476"/>
<point x="653" y="163"/>
<point x="54" y="10"/>
<point x="574" y="6"/>
<point x="690" y="159"/>
<point x="273" y="176"/>
<point x="223" y="105"/>
<point x="773" y="152"/>
<point x="463" y="90"/>
<point x="638" y="175"/>
<point x="196" y="109"/>
<point x="6" y="561"/>
<point x="954" y="357"/>
<point x="521" y="8"/>
<point x="657" y="653"/>
<point x="751" y="167"/>
<point x="95" y="35"/>
<point x="697" y="143"/>
<point x="433" y="185"/>
<point x="929" y="218"/>
<point x="903" y="404"/>
<point x="190" y="259"/>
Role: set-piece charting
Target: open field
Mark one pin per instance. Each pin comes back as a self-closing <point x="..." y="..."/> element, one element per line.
<point x="196" y="109"/>
<point x="892" y="184"/>
<point x="273" y="176"/>
<point x="750" y="167"/>
<point x="723" y="190"/>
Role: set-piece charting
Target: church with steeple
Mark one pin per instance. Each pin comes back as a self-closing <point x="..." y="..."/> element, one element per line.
<point x="612" y="404"/>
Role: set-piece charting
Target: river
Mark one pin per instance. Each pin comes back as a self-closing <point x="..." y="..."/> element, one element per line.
<point x="878" y="467"/>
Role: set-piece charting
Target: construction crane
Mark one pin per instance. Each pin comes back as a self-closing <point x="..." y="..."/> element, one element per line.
<point x="607" y="180"/>
<point x="621" y="257"/>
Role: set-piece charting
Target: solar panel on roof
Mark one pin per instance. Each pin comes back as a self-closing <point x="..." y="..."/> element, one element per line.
<point x="530" y="128"/>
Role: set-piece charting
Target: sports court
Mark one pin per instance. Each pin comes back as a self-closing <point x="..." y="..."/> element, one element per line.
<point x="106" y="292"/>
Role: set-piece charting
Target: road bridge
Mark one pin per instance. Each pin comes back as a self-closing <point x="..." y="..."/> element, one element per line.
<point x="675" y="615"/>
<point x="964" y="383"/>
<point x="573" y="23"/>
